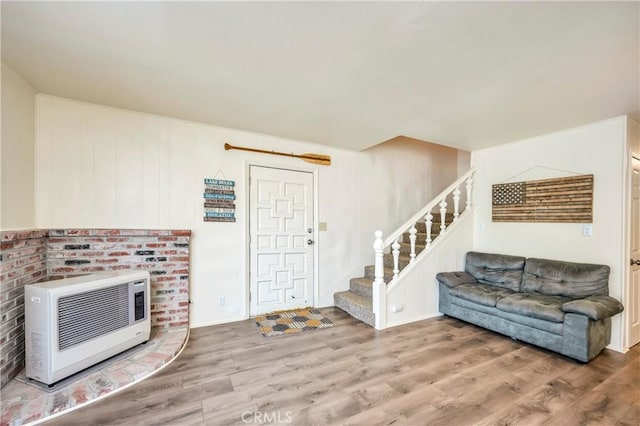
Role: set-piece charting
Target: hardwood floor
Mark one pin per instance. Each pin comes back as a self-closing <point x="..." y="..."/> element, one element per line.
<point x="435" y="372"/>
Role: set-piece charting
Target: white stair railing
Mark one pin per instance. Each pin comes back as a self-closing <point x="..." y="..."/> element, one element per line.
<point x="392" y="242"/>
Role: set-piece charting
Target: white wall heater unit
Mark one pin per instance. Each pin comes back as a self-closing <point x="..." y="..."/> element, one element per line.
<point x="74" y="323"/>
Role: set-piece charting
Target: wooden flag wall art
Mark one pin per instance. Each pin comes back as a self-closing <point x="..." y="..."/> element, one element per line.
<point x="568" y="199"/>
<point x="219" y="200"/>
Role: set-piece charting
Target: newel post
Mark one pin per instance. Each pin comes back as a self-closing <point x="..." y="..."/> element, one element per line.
<point x="379" y="286"/>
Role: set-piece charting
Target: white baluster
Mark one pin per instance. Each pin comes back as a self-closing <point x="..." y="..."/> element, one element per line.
<point x="395" y="250"/>
<point x="456" y="203"/>
<point x="378" y="248"/>
<point x="469" y="187"/>
<point x="412" y="239"/>
<point x="428" y="221"/>
<point x="443" y="215"/>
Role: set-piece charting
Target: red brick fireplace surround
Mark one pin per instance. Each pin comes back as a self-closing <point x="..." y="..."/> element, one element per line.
<point x="31" y="256"/>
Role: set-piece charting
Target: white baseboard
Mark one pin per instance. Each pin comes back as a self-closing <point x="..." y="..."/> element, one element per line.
<point x="616" y="348"/>
<point x="413" y="319"/>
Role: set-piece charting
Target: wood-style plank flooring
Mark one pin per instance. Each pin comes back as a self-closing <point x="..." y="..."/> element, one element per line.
<point x="435" y="372"/>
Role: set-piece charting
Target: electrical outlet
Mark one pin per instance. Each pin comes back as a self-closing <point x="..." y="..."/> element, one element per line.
<point x="220" y="300"/>
<point x="587" y="230"/>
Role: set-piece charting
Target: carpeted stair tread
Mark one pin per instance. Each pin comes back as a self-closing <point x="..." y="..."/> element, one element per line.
<point x="405" y="248"/>
<point x="357" y="306"/>
<point x="361" y="286"/>
<point x="421" y="227"/>
<point x="402" y="261"/>
<point x="421" y="237"/>
<point x="369" y="272"/>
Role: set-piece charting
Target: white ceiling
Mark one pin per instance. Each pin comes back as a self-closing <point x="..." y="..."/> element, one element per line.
<point x="347" y="74"/>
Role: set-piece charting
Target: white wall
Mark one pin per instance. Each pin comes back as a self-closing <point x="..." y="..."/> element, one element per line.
<point x="401" y="176"/>
<point x="17" y="198"/>
<point x="597" y="149"/>
<point x="106" y="167"/>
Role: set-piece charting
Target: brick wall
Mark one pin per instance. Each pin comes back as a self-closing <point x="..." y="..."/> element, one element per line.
<point x="23" y="261"/>
<point x="32" y="256"/>
<point x="165" y="254"/>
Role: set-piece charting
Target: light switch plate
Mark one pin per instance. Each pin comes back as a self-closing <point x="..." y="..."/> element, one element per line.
<point x="322" y="226"/>
<point x="587" y="230"/>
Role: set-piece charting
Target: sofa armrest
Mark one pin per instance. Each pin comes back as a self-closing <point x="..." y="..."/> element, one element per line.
<point x="595" y="307"/>
<point x="452" y="279"/>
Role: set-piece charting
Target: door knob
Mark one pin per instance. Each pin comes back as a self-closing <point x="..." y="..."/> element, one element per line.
<point x="309" y="242"/>
<point x="635" y="262"/>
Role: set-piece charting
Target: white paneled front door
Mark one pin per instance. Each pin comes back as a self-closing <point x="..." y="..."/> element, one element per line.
<point x="281" y="239"/>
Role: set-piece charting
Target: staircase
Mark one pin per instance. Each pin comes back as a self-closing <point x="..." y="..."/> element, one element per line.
<point x="358" y="300"/>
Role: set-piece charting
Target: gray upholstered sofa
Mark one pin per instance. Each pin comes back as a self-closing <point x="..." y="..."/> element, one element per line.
<point x="560" y="306"/>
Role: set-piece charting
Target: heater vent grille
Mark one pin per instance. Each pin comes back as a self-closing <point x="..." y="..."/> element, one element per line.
<point x="85" y="316"/>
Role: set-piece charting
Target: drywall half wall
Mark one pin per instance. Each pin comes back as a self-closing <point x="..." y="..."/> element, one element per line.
<point x="101" y="167"/>
<point x="598" y="149"/>
<point x="17" y="197"/>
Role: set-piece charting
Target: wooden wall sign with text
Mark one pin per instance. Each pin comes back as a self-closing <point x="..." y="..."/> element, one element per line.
<point x="568" y="199"/>
<point x="219" y="200"/>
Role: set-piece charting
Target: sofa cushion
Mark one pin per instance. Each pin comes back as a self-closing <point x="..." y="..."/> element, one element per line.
<point x="557" y="278"/>
<point x="595" y="307"/>
<point x="499" y="270"/>
<point x="548" y="326"/>
<point x="539" y="306"/>
<point x="482" y="294"/>
<point x="452" y="279"/>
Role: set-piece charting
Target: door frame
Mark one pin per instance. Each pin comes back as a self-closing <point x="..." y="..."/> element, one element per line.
<point x="284" y="165"/>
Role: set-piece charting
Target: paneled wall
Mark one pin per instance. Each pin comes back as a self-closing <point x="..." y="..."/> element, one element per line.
<point x="101" y="167"/>
<point x="17" y="168"/>
<point x="116" y="169"/>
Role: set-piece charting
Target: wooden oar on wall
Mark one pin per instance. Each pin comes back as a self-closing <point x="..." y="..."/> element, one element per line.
<point x="324" y="160"/>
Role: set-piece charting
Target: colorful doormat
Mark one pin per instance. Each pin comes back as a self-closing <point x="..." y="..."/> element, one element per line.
<point x="287" y="322"/>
